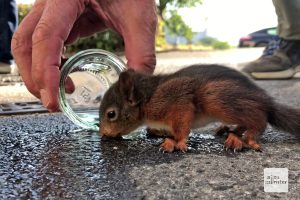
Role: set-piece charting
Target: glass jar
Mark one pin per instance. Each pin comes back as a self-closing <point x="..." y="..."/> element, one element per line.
<point x="92" y="72"/>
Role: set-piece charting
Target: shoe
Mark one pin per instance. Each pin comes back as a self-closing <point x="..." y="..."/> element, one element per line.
<point x="8" y="68"/>
<point x="280" y="60"/>
<point x="4" y="68"/>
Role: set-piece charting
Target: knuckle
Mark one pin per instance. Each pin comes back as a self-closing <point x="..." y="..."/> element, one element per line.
<point x="149" y="61"/>
<point x="19" y="43"/>
<point x="41" y="33"/>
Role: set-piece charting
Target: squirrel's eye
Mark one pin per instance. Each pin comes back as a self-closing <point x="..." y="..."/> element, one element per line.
<point x="111" y="114"/>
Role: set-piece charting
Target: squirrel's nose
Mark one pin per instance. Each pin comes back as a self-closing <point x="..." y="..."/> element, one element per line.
<point x="104" y="131"/>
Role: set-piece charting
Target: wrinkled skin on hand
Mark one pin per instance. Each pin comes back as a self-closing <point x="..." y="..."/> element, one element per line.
<point x="38" y="43"/>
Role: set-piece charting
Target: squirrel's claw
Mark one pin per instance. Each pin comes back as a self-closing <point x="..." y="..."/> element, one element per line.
<point x="233" y="142"/>
<point x="168" y="145"/>
<point x="183" y="150"/>
<point x="161" y="149"/>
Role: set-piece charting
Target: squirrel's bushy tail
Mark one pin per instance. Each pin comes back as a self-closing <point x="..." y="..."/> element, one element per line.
<point x="285" y="118"/>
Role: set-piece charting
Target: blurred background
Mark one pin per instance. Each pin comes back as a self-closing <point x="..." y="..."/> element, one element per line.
<point x="194" y="25"/>
<point x="188" y="32"/>
<point x="45" y="156"/>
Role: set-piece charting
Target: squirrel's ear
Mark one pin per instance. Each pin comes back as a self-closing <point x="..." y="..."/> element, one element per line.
<point x="127" y="88"/>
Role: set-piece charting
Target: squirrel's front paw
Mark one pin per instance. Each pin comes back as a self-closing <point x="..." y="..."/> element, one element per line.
<point x="168" y="145"/>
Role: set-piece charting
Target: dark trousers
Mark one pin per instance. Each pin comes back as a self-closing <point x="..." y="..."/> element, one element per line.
<point x="8" y="25"/>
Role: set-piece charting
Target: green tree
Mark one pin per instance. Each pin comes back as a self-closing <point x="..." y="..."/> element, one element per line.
<point x="177" y="27"/>
<point x="160" y="40"/>
<point x="214" y="43"/>
<point x="107" y="40"/>
<point x="23" y="10"/>
<point x="162" y="5"/>
<point x="167" y="11"/>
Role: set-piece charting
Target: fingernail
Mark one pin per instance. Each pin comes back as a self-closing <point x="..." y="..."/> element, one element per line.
<point x="69" y="86"/>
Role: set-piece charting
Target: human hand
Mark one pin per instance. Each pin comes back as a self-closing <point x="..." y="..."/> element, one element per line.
<point x="38" y="43"/>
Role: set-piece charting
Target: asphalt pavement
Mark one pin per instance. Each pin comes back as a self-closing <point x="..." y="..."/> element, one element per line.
<point x="45" y="156"/>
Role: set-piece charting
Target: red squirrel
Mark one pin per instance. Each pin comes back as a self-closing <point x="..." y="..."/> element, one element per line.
<point x="193" y="97"/>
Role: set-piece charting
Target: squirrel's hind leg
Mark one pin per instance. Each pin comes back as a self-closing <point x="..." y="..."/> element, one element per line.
<point x="251" y="125"/>
<point x="250" y="138"/>
<point x="254" y="130"/>
<point x="234" y="142"/>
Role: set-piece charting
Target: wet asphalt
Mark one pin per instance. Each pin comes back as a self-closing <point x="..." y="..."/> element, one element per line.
<point x="45" y="156"/>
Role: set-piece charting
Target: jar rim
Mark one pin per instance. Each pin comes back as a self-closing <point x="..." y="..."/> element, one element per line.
<point x="68" y="66"/>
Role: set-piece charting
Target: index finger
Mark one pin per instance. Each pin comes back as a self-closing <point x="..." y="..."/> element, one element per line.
<point x="48" y="40"/>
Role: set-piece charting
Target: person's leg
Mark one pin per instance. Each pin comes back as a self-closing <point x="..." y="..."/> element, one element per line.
<point x="8" y="24"/>
<point x="288" y="16"/>
<point x="283" y="61"/>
